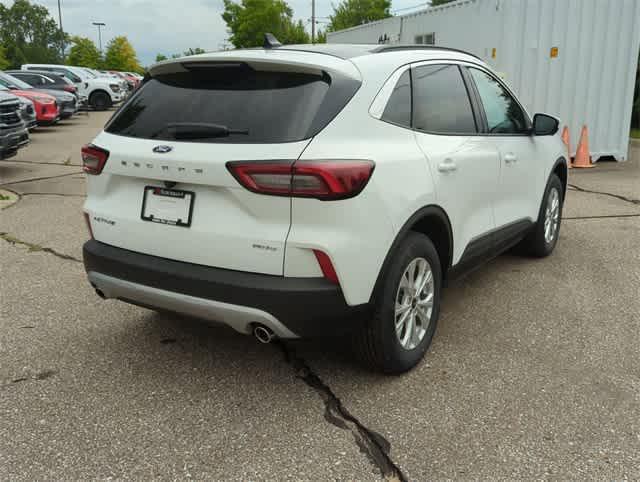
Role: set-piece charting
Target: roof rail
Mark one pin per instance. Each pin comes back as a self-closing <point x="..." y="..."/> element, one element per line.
<point x="391" y="48"/>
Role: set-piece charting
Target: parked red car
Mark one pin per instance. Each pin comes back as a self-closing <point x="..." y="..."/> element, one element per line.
<point x="45" y="105"/>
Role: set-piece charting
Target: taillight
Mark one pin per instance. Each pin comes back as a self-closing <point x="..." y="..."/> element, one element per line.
<point x="326" y="266"/>
<point x="324" y="180"/>
<point x="70" y="88"/>
<point x="93" y="159"/>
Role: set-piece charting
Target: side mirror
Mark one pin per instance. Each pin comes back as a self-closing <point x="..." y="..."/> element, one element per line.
<point x="545" y="125"/>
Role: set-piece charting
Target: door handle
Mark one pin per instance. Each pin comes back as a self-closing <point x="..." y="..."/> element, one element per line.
<point x="447" y="166"/>
<point x="510" y="157"/>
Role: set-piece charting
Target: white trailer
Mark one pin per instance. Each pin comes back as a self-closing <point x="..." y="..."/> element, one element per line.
<point x="575" y="59"/>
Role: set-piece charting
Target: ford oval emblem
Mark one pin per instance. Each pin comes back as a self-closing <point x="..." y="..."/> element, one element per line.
<point x="162" y="149"/>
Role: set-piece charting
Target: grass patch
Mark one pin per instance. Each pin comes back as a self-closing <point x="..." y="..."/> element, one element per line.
<point x="635" y="133"/>
<point x="4" y="197"/>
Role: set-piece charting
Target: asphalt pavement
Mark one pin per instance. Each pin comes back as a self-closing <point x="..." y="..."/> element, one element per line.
<point x="533" y="373"/>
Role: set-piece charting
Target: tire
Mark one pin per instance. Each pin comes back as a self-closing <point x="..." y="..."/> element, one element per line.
<point x="100" y="100"/>
<point x="540" y="242"/>
<point x="378" y="343"/>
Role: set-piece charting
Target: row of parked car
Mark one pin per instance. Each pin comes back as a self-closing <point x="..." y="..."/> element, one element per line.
<point x="43" y="94"/>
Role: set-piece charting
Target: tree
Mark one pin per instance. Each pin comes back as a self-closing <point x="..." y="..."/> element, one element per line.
<point x="321" y="37"/>
<point x="29" y="34"/>
<point x="349" y="13"/>
<point x="435" y="3"/>
<point x="121" y="56"/>
<point x="84" y="53"/>
<point x="160" y="57"/>
<point x="4" y="62"/>
<point x="193" y="51"/>
<point x="249" y="20"/>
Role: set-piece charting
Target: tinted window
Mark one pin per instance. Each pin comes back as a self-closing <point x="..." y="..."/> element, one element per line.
<point x="30" y="79"/>
<point x="67" y="73"/>
<point x="504" y="115"/>
<point x="269" y="106"/>
<point x="398" y="109"/>
<point x="440" y="100"/>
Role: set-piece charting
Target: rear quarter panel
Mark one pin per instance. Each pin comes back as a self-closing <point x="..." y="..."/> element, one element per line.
<point x="357" y="233"/>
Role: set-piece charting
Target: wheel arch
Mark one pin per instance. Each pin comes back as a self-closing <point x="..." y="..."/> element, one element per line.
<point x="561" y="170"/>
<point x="432" y="221"/>
<point x="100" y="91"/>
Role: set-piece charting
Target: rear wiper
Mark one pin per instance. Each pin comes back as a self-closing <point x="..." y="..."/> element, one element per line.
<point x="201" y="130"/>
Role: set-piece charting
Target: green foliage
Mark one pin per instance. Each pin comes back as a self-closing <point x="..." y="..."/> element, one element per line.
<point x="4" y="62"/>
<point x="193" y="51"/>
<point x="84" y="53"/>
<point x="249" y="20"/>
<point x="186" y="53"/>
<point x="349" y="13"/>
<point x="28" y="34"/>
<point x="435" y="3"/>
<point x="121" y="56"/>
<point x="321" y="37"/>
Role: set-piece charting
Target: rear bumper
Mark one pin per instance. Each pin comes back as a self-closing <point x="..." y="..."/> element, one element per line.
<point x="291" y="307"/>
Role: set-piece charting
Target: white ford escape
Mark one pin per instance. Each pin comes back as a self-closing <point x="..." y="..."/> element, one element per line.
<point x="328" y="189"/>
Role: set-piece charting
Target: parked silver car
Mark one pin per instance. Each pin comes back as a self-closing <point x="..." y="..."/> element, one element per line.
<point x="13" y="133"/>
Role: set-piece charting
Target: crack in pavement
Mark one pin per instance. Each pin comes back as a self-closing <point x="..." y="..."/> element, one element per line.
<point x="41" y="375"/>
<point x="617" y="196"/>
<point x="51" y="194"/>
<point x="36" y="247"/>
<point x="605" y="216"/>
<point x="41" y="178"/>
<point x="373" y="445"/>
<point x="63" y="163"/>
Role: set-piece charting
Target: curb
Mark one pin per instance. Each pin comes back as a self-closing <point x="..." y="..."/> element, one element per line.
<point x="7" y="198"/>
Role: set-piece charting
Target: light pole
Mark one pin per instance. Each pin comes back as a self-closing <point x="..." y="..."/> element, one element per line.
<point x="99" y="24"/>
<point x="61" y="33"/>
<point x="313" y="21"/>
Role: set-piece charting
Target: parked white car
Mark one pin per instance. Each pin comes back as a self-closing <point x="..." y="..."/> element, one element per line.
<point x="101" y="92"/>
<point x="329" y="189"/>
<point x="107" y="75"/>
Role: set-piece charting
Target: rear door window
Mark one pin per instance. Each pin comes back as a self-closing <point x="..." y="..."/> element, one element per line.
<point x="441" y="102"/>
<point x="253" y="106"/>
<point x="398" y="109"/>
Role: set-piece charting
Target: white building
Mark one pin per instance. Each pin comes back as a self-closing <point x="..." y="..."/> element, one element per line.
<point x="575" y="59"/>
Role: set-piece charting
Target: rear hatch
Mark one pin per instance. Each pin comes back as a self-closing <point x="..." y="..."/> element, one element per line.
<point x="165" y="188"/>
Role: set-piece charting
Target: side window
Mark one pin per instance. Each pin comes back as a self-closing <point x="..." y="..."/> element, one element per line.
<point x="31" y="79"/>
<point x="504" y="115"/>
<point x="398" y="109"/>
<point x="441" y="103"/>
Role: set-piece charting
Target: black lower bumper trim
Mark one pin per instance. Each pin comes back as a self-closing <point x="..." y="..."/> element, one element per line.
<point x="306" y="306"/>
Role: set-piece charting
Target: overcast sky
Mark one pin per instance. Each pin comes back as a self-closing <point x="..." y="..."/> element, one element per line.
<point x="166" y="26"/>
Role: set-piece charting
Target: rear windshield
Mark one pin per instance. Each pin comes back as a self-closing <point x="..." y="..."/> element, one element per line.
<point x="243" y="105"/>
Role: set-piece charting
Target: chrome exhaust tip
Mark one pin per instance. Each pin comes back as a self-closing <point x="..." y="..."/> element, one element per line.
<point x="263" y="334"/>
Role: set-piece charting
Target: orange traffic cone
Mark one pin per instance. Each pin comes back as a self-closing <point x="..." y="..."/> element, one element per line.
<point x="567" y="142"/>
<point x="583" y="159"/>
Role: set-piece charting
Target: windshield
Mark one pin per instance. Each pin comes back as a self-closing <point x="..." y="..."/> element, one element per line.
<point x="10" y="81"/>
<point x="233" y="104"/>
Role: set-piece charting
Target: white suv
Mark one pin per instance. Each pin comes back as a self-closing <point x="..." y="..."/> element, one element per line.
<point x="101" y="92"/>
<point x="328" y="189"/>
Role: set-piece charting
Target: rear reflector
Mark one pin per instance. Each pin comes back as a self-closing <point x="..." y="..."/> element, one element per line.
<point x="326" y="266"/>
<point x="93" y="159"/>
<point x="324" y="180"/>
